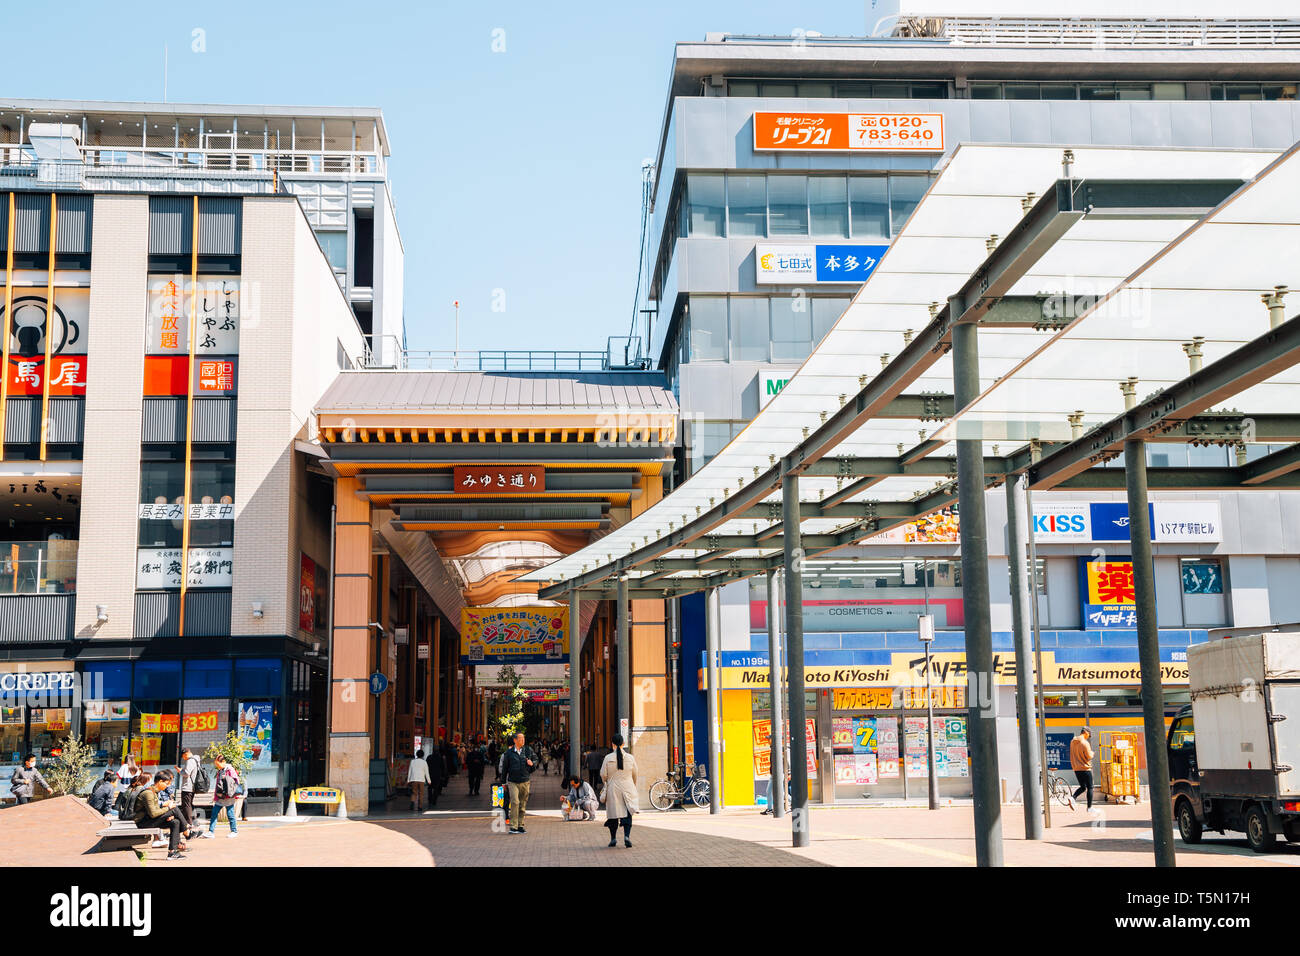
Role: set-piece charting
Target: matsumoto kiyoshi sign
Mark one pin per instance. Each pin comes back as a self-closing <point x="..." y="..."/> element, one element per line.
<point x="806" y="262"/>
<point x="1189" y="522"/>
<point x="947" y="669"/>
<point x="522" y="635"/>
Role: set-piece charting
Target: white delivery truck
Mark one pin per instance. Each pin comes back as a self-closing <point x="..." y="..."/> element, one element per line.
<point x="1234" y="754"/>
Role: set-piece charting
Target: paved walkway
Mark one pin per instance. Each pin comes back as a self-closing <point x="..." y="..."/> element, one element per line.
<point x="466" y="833"/>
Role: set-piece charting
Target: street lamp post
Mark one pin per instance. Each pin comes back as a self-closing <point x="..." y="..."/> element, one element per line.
<point x="925" y="631"/>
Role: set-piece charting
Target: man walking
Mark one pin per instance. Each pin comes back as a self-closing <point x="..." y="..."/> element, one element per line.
<point x="189" y="770"/>
<point x="595" y="760"/>
<point x="24" y="780"/>
<point x="418" y="777"/>
<point x="519" y="763"/>
<point x="475" y="761"/>
<point x="1081" y="763"/>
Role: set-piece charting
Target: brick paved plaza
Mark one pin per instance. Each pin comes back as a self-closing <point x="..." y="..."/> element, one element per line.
<point x="460" y="832"/>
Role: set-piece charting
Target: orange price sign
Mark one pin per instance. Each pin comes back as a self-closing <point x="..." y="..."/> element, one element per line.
<point x="200" y="723"/>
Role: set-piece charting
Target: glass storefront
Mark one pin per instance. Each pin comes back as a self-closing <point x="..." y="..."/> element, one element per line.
<point x="880" y="744"/>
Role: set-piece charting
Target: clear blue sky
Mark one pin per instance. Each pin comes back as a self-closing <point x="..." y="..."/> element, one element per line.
<point x="517" y="171"/>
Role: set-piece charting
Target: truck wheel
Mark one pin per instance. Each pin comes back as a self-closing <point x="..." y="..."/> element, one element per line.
<point x="1189" y="828"/>
<point x="1257" y="833"/>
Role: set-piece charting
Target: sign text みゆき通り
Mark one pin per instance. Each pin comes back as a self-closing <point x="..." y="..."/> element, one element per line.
<point x="531" y="635"/>
<point x="498" y="479"/>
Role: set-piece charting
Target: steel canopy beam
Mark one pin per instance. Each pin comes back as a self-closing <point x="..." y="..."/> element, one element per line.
<point x="1041" y="227"/>
<point x="1273" y="352"/>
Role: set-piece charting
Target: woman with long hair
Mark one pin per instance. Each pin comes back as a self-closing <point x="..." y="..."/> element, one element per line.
<point x="619" y="774"/>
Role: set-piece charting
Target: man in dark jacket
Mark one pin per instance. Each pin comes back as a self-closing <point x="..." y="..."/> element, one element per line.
<point x="518" y="764"/>
<point x="152" y="811"/>
<point x="475" y="761"/>
<point x="101" y="795"/>
<point x="595" y="758"/>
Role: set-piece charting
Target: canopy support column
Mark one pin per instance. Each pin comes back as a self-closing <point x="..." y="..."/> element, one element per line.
<point x="776" y="795"/>
<point x="621" y="691"/>
<point x="1026" y="713"/>
<point x="793" y="572"/>
<point x="575" y="687"/>
<point x="1153" y="695"/>
<point x="981" y="690"/>
<point x="712" y="627"/>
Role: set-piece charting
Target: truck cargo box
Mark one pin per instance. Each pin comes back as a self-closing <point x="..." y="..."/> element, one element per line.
<point x="1246" y="709"/>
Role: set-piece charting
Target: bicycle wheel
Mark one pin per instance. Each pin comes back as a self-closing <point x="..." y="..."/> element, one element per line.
<point x="1061" y="791"/>
<point x="700" y="793"/>
<point x="661" y="795"/>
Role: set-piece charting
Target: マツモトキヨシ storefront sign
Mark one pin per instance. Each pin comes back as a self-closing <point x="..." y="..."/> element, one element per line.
<point x="906" y="672"/>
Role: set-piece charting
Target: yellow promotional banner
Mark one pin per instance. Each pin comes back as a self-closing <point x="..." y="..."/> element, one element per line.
<point x="514" y="635"/>
<point x="907" y="671"/>
<point x="151" y="723"/>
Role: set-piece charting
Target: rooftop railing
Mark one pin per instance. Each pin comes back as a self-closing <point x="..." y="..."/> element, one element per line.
<point x="386" y="352"/>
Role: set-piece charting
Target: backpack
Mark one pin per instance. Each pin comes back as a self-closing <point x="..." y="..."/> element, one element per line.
<point x="202" y="782"/>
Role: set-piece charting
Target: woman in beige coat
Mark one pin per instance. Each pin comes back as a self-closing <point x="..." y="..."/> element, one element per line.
<point x="619" y="774"/>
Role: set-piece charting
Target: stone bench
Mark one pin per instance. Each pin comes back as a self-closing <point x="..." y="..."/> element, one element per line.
<point x="121" y="829"/>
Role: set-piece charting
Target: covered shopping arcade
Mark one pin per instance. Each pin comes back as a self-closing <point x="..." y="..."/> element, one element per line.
<point x="1078" y="305"/>
<point x="447" y="486"/>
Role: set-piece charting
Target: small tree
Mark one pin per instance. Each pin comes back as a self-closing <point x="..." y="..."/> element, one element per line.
<point x="234" y="748"/>
<point x="70" y="772"/>
<point x="512" y="721"/>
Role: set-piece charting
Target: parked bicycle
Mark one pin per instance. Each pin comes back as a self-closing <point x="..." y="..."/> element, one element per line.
<point x="669" y="791"/>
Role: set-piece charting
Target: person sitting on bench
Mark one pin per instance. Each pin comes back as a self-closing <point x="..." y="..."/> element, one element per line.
<point x="150" y="813"/>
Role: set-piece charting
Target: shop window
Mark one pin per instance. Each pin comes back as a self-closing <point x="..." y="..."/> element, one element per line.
<point x="1202" y="575"/>
<point x="787" y="201"/>
<point x="1058" y="91"/>
<point x="207" y="679"/>
<point x="108" y="722"/>
<point x="706" y="204"/>
<point x="869" y="206"/>
<point x="335" y="247"/>
<point x="904" y="194"/>
<point x="12" y="741"/>
<point x="1022" y="91"/>
<point x="158" y="679"/>
<point x="708" y="328"/>
<point x="156" y="729"/>
<point x="825" y="313"/>
<point x="749" y="329"/>
<point x="742" y="88"/>
<point x="257" y="678"/>
<point x="828" y="206"/>
<point x="105" y="681"/>
<point x="746" y="205"/>
<point x="791" y="328"/>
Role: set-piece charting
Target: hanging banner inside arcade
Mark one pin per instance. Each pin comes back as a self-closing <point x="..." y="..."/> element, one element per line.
<point x="514" y="635"/>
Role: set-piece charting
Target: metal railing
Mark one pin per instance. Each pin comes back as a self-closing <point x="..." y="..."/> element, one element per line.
<point x="16" y="159"/>
<point x="1101" y="31"/>
<point x="386" y="352"/>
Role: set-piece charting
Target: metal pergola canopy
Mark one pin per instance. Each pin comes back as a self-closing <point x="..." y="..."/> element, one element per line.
<point x="1045" y="255"/>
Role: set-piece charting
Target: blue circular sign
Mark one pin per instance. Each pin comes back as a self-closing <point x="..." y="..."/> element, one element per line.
<point x="378" y="683"/>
